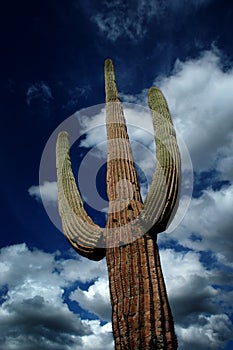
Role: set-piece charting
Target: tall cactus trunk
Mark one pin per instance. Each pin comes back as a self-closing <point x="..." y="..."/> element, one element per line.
<point x="141" y="316"/>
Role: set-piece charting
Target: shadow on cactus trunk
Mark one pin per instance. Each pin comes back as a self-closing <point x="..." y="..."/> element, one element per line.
<point x="141" y="315"/>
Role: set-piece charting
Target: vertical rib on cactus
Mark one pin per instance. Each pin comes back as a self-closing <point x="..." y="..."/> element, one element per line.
<point x="162" y="200"/>
<point x="141" y="315"/>
<point x="79" y="229"/>
<point x="123" y="188"/>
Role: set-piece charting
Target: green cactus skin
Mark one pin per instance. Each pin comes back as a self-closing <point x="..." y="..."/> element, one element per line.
<point x="163" y="198"/>
<point x="141" y="315"/>
<point x="79" y="229"/>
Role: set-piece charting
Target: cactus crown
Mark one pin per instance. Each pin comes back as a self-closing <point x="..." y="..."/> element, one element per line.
<point x="159" y="206"/>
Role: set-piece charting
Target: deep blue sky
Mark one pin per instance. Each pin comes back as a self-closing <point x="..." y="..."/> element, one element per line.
<point x="52" y="57"/>
<point x="55" y="42"/>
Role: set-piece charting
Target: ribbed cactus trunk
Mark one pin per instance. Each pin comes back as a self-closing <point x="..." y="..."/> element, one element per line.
<point x="141" y="316"/>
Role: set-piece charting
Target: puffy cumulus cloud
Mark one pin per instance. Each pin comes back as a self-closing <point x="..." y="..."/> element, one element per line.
<point x="225" y="167"/>
<point x="200" y="281"/>
<point x="197" y="302"/>
<point x="208" y="224"/>
<point x="188" y="284"/>
<point x="212" y="332"/>
<point x="101" y="337"/>
<point x="19" y="265"/>
<point x="95" y="129"/>
<point x="96" y="299"/>
<point x="84" y="270"/>
<point x="39" y="324"/>
<point x="39" y="90"/>
<point x="140" y="98"/>
<point x="33" y="310"/>
<point x="199" y="96"/>
<point x="47" y="191"/>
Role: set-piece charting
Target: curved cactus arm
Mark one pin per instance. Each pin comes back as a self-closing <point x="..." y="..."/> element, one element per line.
<point x="162" y="199"/>
<point x="82" y="233"/>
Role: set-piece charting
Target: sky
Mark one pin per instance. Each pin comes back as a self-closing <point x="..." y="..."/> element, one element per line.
<point x="52" y="58"/>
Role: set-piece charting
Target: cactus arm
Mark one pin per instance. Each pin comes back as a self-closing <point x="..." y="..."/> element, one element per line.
<point x="82" y="233"/>
<point x="162" y="200"/>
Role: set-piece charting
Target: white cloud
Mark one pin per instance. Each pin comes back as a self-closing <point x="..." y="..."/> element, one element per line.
<point x="187" y="280"/>
<point x="35" y="312"/>
<point x="140" y="98"/>
<point x="101" y="337"/>
<point x="208" y="224"/>
<point x="33" y="308"/>
<point x="225" y="167"/>
<point x="47" y="191"/>
<point x="39" y="90"/>
<point x="197" y="305"/>
<point x="212" y="332"/>
<point x="95" y="129"/>
<point x="200" y="99"/>
<point x="96" y="299"/>
<point x="89" y="271"/>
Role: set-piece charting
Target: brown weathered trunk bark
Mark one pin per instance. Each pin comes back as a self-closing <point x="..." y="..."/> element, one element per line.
<point x="141" y="316"/>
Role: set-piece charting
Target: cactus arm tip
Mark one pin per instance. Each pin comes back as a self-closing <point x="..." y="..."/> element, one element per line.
<point x="108" y="63"/>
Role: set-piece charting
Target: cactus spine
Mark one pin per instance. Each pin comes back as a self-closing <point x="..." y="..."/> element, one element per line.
<point x="141" y="315"/>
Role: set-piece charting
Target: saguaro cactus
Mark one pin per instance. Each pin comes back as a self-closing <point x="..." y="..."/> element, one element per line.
<point x="141" y="316"/>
